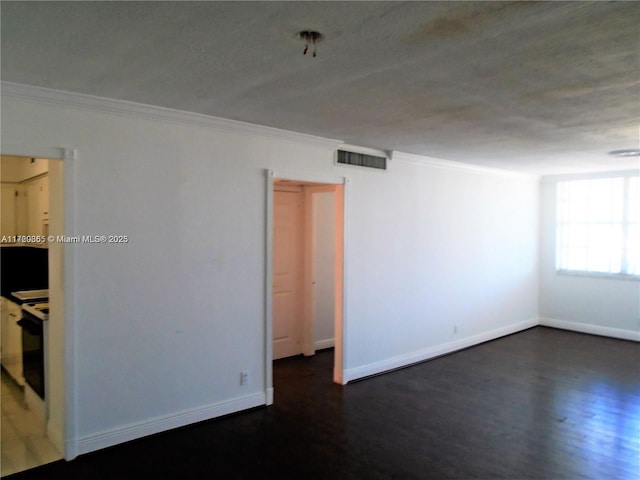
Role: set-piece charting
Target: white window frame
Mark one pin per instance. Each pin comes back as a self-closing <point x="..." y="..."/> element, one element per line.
<point x="625" y="223"/>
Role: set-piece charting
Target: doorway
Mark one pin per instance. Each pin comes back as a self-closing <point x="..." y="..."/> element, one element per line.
<point x="35" y="421"/>
<point x="305" y="270"/>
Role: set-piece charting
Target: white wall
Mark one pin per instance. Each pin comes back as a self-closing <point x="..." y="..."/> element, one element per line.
<point x="604" y="306"/>
<point x="438" y="258"/>
<point x="163" y="325"/>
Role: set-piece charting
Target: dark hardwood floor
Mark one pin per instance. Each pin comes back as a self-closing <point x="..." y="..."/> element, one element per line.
<point x="542" y="403"/>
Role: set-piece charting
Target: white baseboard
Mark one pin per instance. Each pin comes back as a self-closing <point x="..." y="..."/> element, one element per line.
<point x="435" y="351"/>
<point x="592" y="329"/>
<point x="322" y="344"/>
<point x="126" y="433"/>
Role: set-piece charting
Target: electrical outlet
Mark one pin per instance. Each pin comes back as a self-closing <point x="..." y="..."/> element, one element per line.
<point x="244" y="378"/>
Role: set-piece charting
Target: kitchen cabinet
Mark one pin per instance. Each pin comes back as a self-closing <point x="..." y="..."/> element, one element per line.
<point x="9" y="219"/>
<point x="14" y="219"/>
<point x="25" y="197"/>
<point x="38" y="206"/>
<point x="11" y="343"/>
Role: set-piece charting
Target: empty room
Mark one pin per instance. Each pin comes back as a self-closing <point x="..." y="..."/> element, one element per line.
<point x="332" y="240"/>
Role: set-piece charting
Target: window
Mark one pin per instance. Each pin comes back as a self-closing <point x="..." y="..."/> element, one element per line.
<point x="598" y="226"/>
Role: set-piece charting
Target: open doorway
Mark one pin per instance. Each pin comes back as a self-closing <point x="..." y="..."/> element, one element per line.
<point x="305" y="276"/>
<point x="32" y="270"/>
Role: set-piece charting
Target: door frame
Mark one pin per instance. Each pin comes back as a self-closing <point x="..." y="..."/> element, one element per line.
<point x="340" y="330"/>
<point x="67" y="438"/>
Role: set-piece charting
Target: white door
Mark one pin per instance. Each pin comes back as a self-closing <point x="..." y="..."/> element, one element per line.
<point x="323" y="234"/>
<point x="287" y="272"/>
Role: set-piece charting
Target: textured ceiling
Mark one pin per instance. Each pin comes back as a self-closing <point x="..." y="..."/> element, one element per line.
<point x="542" y="87"/>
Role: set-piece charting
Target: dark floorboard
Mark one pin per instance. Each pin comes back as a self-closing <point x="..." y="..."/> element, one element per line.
<point x="542" y="403"/>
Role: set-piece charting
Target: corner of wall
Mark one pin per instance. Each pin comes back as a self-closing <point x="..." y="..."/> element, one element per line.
<point x="591" y="329"/>
<point x="429" y="353"/>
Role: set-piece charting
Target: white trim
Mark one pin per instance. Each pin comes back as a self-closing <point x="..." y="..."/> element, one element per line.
<point x="139" y="110"/>
<point x="591" y="329"/>
<point x="340" y="374"/>
<point x="38" y="152"/>
<point x="405" y="360"/>
<point x="322" y="344"/>
<point x="268" y="288"/>
<point x="304" y="176"/>
<point x="441" y="163"/>
<point x="125" y="433"/>
<point x="71" y="360"/>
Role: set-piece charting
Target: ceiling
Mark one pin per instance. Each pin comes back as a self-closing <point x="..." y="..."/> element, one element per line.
<point x="540" y="87"/>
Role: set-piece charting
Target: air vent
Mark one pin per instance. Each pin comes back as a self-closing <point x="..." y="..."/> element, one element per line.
<point x="361" y="160"/>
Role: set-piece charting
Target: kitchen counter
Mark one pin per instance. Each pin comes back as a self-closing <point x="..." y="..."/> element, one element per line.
<point x="31" y="296"/>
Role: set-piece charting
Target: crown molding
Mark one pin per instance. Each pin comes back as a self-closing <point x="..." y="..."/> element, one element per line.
<point x="438" y="162"/>
<point x="152" y="112"/>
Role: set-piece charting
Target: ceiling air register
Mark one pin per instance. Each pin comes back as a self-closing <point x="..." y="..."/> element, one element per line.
<point x="361" y="160"/>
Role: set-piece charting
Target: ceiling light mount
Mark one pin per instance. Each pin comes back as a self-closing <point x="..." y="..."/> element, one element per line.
<point x="310" y="38"/>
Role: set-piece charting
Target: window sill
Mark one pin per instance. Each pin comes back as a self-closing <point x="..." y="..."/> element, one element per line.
<point x="602" y="275"/>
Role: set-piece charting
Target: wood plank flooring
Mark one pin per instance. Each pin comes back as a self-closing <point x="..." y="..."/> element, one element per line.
<point x="24" y="442"/>
<point x="540" y="404"/>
